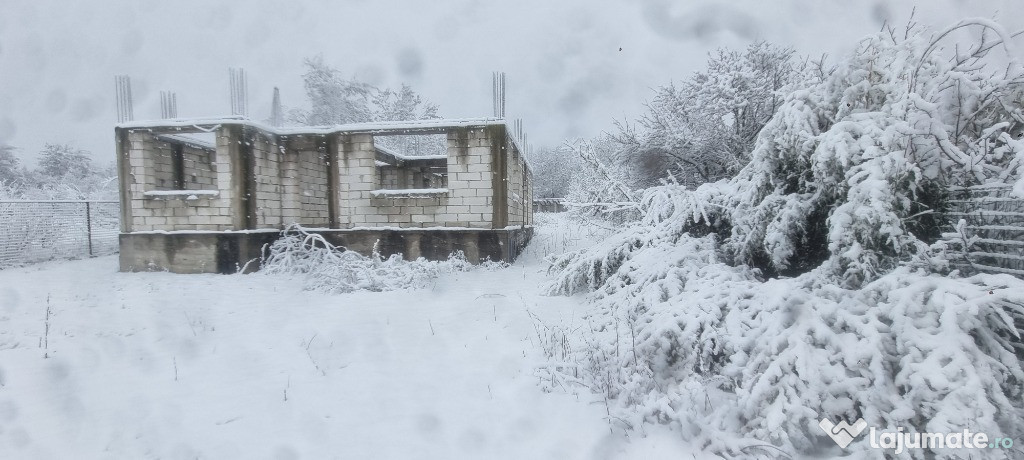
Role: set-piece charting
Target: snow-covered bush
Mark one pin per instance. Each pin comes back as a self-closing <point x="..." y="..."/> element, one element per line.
<point x="333" y="269"/>
<point x="871" y="150"/>
<point x="811" y="285"/>
<point x="852" y="171"/>
<point x="735" y="362"/>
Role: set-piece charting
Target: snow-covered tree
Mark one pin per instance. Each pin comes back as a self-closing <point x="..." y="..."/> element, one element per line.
<point x="9" y="172"/>
<point x="854" y="169"/>
<point x="597" y="188"/>
<point x="404" y="104"/>
<point x="62" y="160"/>
<point x="10" y="190"/>
<point x="337" y="100"/>
<point x="704" y="129"/>
<point x="66" y="173"/>
<point x="554" y="170"/>
<point x="841" y="195"/>
<point x="333" y="99"/>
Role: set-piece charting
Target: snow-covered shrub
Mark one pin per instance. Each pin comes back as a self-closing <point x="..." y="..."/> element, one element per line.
<point x="811" y="284"/>
<point x="735" y="362"/>
<point x="333" y="269"/>
<point x="669" y="213"/>
<point x="853" y="170"/>
<point x="487" y="265"/>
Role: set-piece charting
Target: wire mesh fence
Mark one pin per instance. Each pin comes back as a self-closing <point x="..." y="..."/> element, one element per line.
<point x="35" y="231"/>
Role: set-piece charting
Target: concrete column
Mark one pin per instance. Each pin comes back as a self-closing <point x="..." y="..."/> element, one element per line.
<point x="291" y="190"/>
<point x="356" y="178"/>
<point x="412" y="246"/>
<point x="497" y="141"/>
<point x="471" y="247"/>
<point x="136" y="177"/>
<point x="233" y="175"/>
<point x="123" y="148"/>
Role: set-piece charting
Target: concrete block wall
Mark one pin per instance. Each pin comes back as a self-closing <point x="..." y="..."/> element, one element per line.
<point x="312" y="161"/>
<point x="438" y="181"/>
<point x="528" y="199"/>
<point x="227" y="144"/>
<point x="268" y="187"/>
<point x="303" y="181"/>
<point x="291" y="185"/>
<point x="520" y="192"/>
<point x="200" y="170"/>
<point x="388" y="178"/>
<point x="392" y="177"/>
<point x="147" y="163"/>
<point x="163" y="169"/>
<point x="520" y="186"/>
<point x="424" y="211"/>
<point x="471" y="185"/>
<point x="357" y="177"/>
<point x="267" y="181"/>
<point x="521" y="181"/>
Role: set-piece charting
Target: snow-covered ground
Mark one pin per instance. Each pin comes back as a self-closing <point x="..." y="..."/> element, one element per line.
<point x="159" y="365"/>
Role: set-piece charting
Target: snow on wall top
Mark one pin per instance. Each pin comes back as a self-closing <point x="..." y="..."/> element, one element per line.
<point x="198" y="143"/>
<point x="405" y="157"/>
<point x="207" y="125"/>
<point x="384" y="127"/>
<point x="409" y="192"/>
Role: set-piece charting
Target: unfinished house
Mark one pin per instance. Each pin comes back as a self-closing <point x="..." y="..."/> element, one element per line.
<point x="194" y="205"/>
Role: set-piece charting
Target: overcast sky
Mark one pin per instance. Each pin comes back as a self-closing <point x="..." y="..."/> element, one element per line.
<point x="573" y="66"/>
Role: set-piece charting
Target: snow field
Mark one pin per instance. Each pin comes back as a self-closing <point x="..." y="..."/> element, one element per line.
<point x="159" y="365"/>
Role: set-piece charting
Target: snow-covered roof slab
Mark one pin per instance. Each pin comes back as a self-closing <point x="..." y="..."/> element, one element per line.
<point x="435" y="126"/>
<point x="197" y="143"/>
<point x="386" y="128"/>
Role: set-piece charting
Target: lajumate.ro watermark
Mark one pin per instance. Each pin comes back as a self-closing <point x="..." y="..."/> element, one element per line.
<point x="844" y="433"/>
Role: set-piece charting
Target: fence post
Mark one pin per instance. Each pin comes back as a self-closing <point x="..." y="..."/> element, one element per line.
<point x="88" y="226"/>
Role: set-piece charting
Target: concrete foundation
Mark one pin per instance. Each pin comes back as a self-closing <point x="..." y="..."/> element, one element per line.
<point x="230" y="252"/>
<point x="199" y="252"/>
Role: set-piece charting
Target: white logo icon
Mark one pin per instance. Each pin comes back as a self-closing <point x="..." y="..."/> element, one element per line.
<point x="843" y="433"/>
